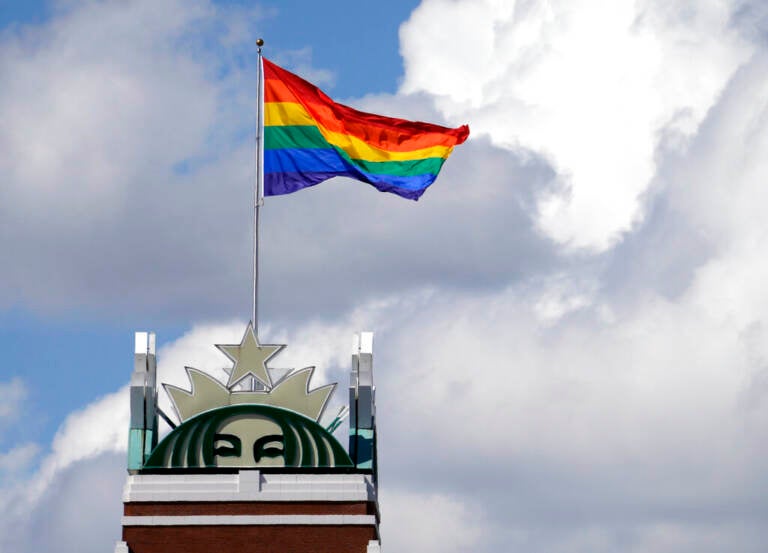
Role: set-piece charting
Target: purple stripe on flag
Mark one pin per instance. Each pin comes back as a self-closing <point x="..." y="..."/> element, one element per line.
<point x="276" y="184"/>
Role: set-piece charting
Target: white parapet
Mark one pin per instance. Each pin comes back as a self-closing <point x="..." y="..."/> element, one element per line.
<point x="144" y="343"/>
<point x="249" y="485"/>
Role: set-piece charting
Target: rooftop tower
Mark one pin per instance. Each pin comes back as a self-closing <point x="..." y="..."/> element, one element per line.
<point x="247" y="465"/>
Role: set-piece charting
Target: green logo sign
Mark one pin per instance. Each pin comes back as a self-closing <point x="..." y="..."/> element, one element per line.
<point x="249" y="436"/>
<point x="251" y="421"/>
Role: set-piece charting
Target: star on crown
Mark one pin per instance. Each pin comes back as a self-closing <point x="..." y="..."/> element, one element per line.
<point x="250" y="358"/>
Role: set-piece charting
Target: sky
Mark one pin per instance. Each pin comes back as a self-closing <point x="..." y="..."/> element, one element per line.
<point x="571" y="333"/>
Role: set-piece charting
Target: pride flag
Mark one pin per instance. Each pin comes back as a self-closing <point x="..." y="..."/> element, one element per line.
<point x="309" y="138"/>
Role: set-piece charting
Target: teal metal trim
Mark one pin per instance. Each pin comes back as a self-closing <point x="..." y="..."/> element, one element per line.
<point x="135" y="449"/>
<point x="362" y="441"/>
<point x="150" y="441"/>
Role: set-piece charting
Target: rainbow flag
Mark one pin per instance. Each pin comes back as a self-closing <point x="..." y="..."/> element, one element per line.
<point x="309" y="138"/>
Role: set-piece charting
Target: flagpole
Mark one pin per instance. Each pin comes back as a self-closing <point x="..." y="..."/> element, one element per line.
<point x="258" y="192"/>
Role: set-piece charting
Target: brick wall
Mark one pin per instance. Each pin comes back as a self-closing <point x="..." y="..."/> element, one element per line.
<point x="248" y="539"/>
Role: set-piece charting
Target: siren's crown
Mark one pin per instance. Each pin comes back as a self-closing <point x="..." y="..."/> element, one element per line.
<point x="249" y="357"/>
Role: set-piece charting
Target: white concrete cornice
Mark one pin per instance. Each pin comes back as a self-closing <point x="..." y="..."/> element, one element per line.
<point x="251" y="520"/>
<point x="249" y="485"/>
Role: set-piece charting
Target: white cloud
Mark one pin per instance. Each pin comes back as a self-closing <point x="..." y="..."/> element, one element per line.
<point x="17" y="460"/>
<point x="560" y="296"/>
<point x="110" y="109"/>
<point x="414" y="522"/>
<point x="588" y="85"/>
<point x="101" y="427"/>
<point x="18" y="457"/>
<point x="300" y="62"/>
<point x="12" y="394"/>
<point x="84" y="111"/>
<point x="97" y="430"/>
<point x="79" y="512"/>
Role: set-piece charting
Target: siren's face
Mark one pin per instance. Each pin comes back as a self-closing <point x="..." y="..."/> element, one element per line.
<point x="248" y="435"/>
<point x="249" y="440"/>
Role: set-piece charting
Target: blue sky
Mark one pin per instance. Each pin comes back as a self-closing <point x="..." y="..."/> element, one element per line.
<point x="330" y="29"/>
<point x="584" y="282"/>
<point x="20" y="13"/>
